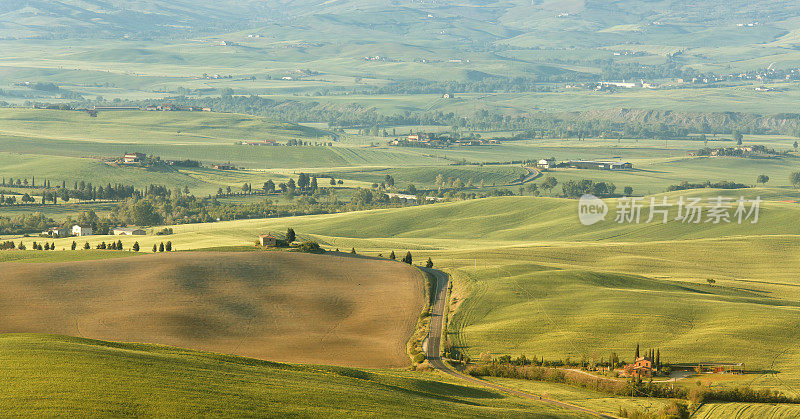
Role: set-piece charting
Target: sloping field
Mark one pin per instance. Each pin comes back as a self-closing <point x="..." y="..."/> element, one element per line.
<point x="200" y="181"/>
<point x="65" y="376"/>
<point x="747" y="410"/>
<point x="731" y="300"/>
<point x="141" y="127"/>
<point x="209" y="137"/>
<point x="270" y="305"/>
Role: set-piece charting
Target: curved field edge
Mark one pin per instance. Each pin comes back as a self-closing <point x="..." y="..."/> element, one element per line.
<point x="58" y="375"/>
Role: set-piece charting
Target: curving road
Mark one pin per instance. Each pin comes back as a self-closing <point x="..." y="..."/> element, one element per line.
<point x="532" y="175"/>
<point x="435" y="341"/>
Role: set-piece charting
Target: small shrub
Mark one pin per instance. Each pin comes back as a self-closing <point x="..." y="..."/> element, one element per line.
<point x="310" y="247"/>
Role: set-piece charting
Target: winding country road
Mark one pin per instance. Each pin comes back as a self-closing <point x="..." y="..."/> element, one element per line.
<point x="532" y="175"/>
<point x="434" y="343"/>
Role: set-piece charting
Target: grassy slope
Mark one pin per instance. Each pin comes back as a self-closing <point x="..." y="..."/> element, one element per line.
<point x="590" y="399"/>
<point x="747" y="410"/>
<point x="530" y="279"/>
<point x="478" y="223"/>
<point x="50" y="375"/>
<point x="57" y="169"/>
<point x="204" y="136"/>
<point x="280" y="306"/>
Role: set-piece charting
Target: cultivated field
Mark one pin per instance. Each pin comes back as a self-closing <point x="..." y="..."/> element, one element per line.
<point x="278" y="306"/>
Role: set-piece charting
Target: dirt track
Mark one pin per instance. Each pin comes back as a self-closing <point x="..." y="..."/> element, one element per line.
<point x="280" y="306"/>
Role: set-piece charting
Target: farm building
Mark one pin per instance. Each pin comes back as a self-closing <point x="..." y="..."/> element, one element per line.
<point x="55" y="232"/>
<point x="224" y="167"/>
<point x="599" y="165"/>
<point x="79" y="230"/>
<point x="643" y="367"/>
<point x="131" y="158"/>
<point x="262" y="143"/>
<point x="268" y="240"/>
<point x="128" y="231"/>
<point x="546" y="163"/>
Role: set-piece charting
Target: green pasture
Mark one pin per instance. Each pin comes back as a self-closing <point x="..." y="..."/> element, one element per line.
<point x="747" y="410"/>
<point x="534" y="281"/>
<point x="53" y="375"/>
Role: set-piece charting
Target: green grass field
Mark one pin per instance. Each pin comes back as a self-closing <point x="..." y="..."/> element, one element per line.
<point x="589" y="399"/>
<point x="206" y="136"/>
<point x="528" y="277"/>
<point x="532" y="280"/>
<point x="51" y="375"/>
<point x="746" y="410"/>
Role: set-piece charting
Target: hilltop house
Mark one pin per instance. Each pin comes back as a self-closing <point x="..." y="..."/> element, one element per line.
<point x="79" y="230"/>
<point x="267" y="240"/>
<point x="128" y="231"/>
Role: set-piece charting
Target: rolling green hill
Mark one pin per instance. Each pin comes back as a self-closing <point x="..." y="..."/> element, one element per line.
<point x="52" y="375"/>
<point x="530" y="279"/>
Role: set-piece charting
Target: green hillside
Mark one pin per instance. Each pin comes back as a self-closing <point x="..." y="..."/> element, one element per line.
<point x="52" y="375"/>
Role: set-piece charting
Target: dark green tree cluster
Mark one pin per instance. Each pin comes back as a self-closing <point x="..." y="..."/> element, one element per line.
<point x="577" y="188"/>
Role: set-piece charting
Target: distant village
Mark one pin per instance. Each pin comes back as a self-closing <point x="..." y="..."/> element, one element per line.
<point x="165" y="107"/>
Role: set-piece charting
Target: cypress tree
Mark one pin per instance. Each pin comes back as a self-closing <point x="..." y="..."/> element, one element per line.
<point x="86" y="246"/>
<point x="290" y="236"/>
<point x="169" y="246"/>
<point x="136" y="246"/>
<point x="155" y="248"/>
<point x="658" y="359"/>
<point x="74" y="245"/>
<point x="161" y="247"/>
<point x="429" y="263"/>
<point x="392" y="256"/>
<point x="119" y="244"/>
<point x="353" y="251"/>
<point x="637" y="351"/>
<point x="407" y="259"/>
